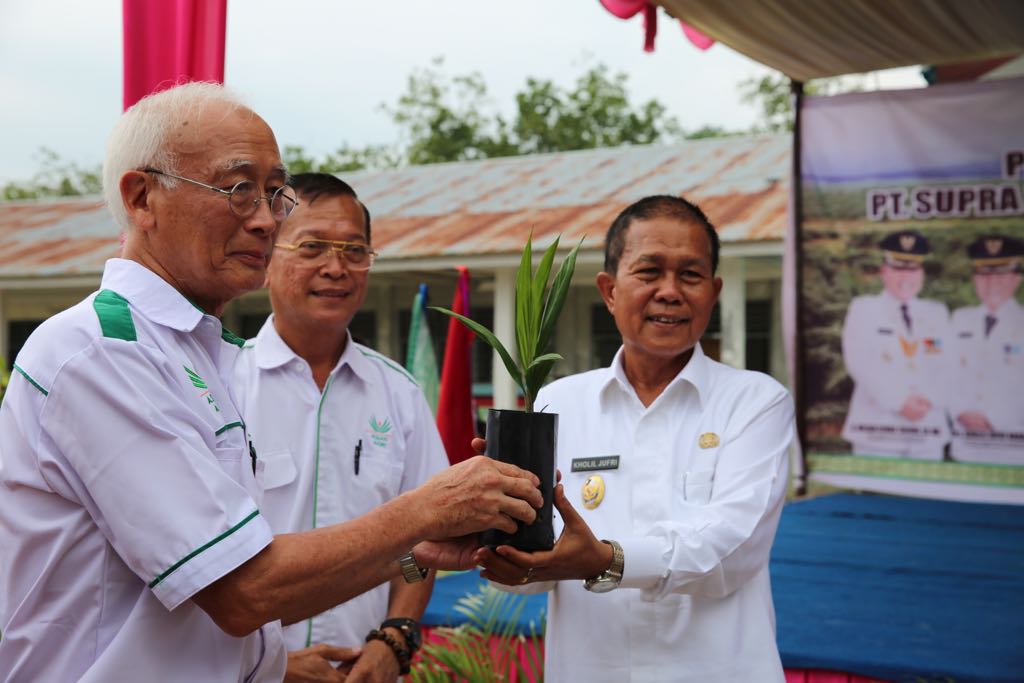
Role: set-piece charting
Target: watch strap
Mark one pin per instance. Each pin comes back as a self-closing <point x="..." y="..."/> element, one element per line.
<point x="410" y="629"/>
<point x="411" y="572"/>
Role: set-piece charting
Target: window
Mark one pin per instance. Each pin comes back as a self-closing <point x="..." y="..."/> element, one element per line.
<point x="18" y="332"/>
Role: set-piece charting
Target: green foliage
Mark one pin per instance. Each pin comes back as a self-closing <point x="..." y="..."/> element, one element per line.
<point x="537" y="309"/>
<point x="56" y="178"/>
<point x="771" y="95"/>
<point x="486" y="648"/>
<point x="345" y="158"/>
<point x="5" y="378"/>
<point x="447" y="118"/>
<point x="596" y="113"/>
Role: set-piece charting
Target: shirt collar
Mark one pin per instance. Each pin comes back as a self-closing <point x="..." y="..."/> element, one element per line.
<point x="155" y="298"/>
<point x="272" y="352"/>
<point x="696" y="373"/>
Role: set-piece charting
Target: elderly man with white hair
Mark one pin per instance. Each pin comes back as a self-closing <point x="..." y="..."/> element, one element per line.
<point x="133" y="545"/>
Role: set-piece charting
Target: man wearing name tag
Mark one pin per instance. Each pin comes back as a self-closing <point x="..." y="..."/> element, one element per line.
<point x="988" y="358"/>
<point x="895" y="350"/>
<point x="674" y="471"/>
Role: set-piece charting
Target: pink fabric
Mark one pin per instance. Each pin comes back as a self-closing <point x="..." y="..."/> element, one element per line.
<point x="170" y="41"/>
<point x="818" y="676"/>
<point x="699" y="40"/>
<point x="624" y="9"/>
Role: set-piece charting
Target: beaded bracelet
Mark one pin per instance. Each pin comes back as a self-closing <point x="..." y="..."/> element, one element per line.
<point x="404" y="657"/>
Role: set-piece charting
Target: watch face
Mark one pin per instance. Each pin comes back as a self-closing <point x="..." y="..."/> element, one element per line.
<point x="602" y="586"/>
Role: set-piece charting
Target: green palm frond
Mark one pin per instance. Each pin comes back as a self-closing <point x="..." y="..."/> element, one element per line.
<point x="486" y="648"/>
<point x="536" y="311"/>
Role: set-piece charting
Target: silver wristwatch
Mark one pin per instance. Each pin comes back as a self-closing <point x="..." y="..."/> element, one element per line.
<point x="411" y="572"/>
<point x="610" y="578"/>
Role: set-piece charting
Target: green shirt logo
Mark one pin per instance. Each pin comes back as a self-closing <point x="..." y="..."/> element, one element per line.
<point x="199" y="383"/>
<point x="380" y="428"/>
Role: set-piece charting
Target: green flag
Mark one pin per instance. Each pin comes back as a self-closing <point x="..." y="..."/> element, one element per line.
<point x="420" y="360"/>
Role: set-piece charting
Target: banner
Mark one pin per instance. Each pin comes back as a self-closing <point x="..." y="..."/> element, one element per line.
<point x="171" y="41"/>
<point x="456" y="419"/>
<point x="420" y="360"/>
<point x="910" y="310"/>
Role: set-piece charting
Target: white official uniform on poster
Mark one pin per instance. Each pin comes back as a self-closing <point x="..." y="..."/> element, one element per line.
<point x="694" y="501"/>
<point x="888" y="362"/>
<point x="129" y="485"/>
<point x="370" y="408"/>
<point x="988" y="372"/>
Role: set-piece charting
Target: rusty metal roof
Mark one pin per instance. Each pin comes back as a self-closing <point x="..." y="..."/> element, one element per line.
<point x="475" y="208"/>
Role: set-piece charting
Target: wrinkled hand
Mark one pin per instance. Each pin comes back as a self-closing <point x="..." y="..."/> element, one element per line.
<point x="974" y="421"/>
<point x="476" y="495"/>
<point x="457" y="554"/>
<point x="577" y="554"/>
<point x="377" y="664"/>
<point x="316" y="663"/>
<point x="915" y="407"/>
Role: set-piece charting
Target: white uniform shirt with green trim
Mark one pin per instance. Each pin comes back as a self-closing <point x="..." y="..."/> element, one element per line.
<point x="694" y="501"/>
<point x="308" y="439"/>
<point x="127" y="485"/>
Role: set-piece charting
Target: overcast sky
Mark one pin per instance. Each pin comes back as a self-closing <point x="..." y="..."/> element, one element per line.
<point x="318" y="70"/>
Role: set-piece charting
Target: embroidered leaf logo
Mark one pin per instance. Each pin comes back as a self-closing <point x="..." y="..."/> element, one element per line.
<point x="382" y="427"/>
<point x="197" y="381"/>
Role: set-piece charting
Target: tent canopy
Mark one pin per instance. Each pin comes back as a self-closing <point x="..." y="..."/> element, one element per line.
<point x="806" y="40"/>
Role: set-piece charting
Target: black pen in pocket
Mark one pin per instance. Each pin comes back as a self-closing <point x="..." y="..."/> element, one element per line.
<point x="355" y="456"/>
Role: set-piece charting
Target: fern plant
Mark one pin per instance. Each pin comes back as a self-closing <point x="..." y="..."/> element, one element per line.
<point x="537" y="307"/>
<point x="486" y="648"/>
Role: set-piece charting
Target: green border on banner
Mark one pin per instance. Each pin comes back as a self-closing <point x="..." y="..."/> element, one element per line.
<point x="977" y="474"/>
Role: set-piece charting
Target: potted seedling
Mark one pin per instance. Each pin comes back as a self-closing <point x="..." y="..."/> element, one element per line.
<point x="526" y="438"/>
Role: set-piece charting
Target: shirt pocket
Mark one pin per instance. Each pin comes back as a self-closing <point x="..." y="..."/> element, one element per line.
<point x="278" y="469"/>
<point x="697" y="486"/>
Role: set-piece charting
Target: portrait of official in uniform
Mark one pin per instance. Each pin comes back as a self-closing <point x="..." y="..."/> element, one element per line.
<point x="894" y="348"/>
<point x="987" y="356"/>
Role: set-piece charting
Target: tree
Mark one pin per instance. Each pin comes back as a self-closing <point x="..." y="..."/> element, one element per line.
<point x="56" y="178"/>
<point x="451" y="119"/>
<point x="772" y="95"/>
<point x="344" y="159"/>
<point x="597" y="113"/>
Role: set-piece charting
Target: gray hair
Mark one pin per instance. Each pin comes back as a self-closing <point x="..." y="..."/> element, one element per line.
<point x="139" y="139"/>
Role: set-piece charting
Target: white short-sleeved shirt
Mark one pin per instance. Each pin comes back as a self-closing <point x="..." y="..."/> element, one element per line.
<point x="127" y="485"/>
<point x="308" y="440"/>
<point x="694" y="501"/>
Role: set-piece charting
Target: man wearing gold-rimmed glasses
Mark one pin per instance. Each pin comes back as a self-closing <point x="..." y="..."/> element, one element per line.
<point x="341" y="428"/>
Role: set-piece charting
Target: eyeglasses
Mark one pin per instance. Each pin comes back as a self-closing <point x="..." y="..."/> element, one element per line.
<point x="244" y="197"/>
<point x="357" y="256"/>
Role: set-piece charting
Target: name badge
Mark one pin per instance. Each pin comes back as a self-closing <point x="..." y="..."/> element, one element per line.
<point x="605" y="462"/>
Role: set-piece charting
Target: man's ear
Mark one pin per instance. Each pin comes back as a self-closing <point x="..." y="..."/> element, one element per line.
<point x="135" y="195"/>
<point x="606" y="285"/>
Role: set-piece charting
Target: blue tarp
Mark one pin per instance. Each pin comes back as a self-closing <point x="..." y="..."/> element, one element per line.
<point x="901" y="589"/>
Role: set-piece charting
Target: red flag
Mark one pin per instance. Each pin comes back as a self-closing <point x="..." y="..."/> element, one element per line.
<point x="170" y="41"/>
<point x="455" y="419"/>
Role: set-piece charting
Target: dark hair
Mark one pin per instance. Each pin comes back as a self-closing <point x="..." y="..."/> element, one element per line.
<point x="656" y="206"/>
<point x="312" y="186"/>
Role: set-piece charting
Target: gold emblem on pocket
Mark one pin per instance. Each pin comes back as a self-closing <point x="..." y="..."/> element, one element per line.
<point x="593" y="491"/>
<point x="708" y="440"/>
